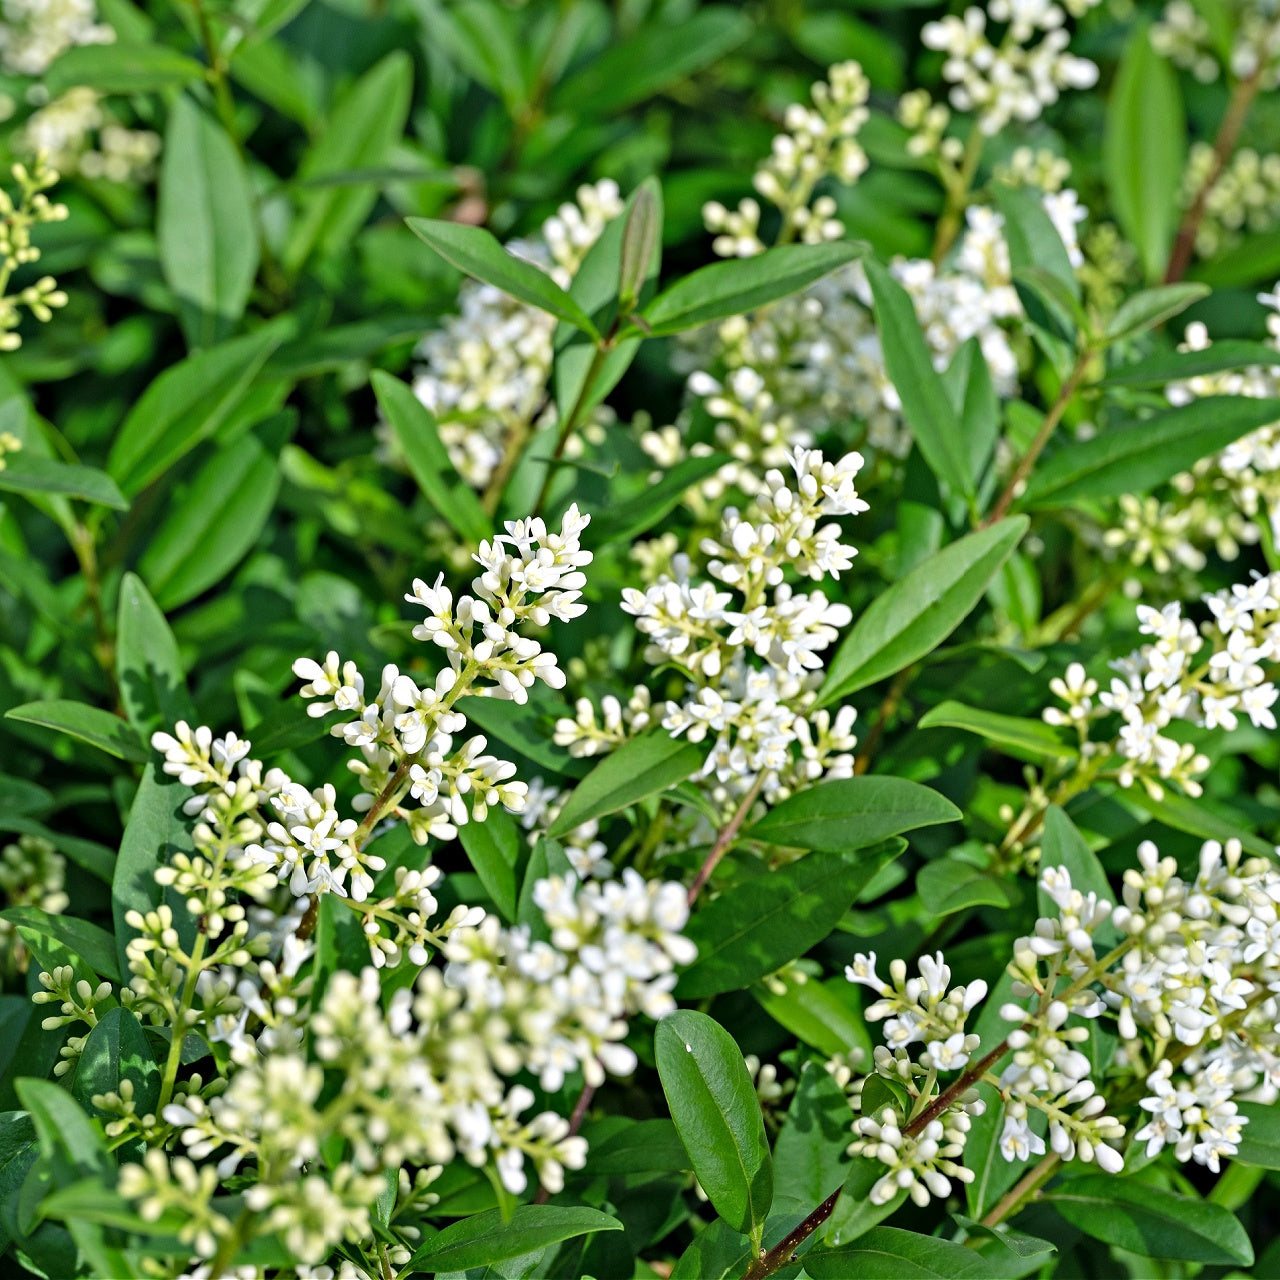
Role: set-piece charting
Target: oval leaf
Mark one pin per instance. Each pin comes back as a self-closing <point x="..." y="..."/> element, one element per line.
<point x="717" y="1116"/>
<point x="484" y="1239"/>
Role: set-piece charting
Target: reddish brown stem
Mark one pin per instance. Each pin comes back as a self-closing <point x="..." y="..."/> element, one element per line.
<point x="1224" y="146"/>
<point x="726" y="838"/>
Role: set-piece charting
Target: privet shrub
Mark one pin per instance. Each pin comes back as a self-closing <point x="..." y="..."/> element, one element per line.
<point x="787" y="778"/>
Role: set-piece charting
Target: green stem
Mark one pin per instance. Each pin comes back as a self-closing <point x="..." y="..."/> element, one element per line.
<point x="174" y="1058"/>
<point x="959" y="185"/>
<point x="1023" y="1190"/>
<point x="572" y="419"/>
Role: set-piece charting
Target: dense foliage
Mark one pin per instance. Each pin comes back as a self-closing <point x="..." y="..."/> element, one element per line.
<point x="639" y="639"/>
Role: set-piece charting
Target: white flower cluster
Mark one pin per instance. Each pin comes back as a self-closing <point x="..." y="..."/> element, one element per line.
<point x="820" y="141"/>
<point x="35" y="33"/>
<point x="759" y="718"/>
<point x="1213" y="676"/>
<point x="1017" y="78"/>
<point x="1245" y="197"/>
<point x="772" y="380"/>
<point x="420" y="1080"/>
<point x="17" y="219"/>
<point x="585" y="852"/>
<point x="1243" y="480"/>
<point x="32" y="874"/>
<point x="1194" y="994"/>
<point x="484" y="372"/>
<point x="1192" y="981"/>
<point x="1184" y="36"/>
<point x="922" y="1159"/>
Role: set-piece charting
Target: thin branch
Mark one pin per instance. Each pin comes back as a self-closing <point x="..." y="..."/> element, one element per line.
<point x="726" y="837"/>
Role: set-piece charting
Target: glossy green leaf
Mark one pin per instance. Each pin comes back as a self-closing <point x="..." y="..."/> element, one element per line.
<point x="1152" y="307"/>
<point x="156" y="829"/>
<point x="1143" y="166"/>
<point x="1174" y="366"/>
<point x="755" y="927"/>
<point x="888" y="1253"/>
<point x="743" y="284"/>
<point x="1152" y="1222"/>
<point x="93" y="944"/>
<point x="919" y="611"/>
<point x="1260" y="1138"/>
<point x="117" y="1049"/>
<point x="206" y="228"/>
<point x="662" y="52"/>
<point x="641" y="767"/>
<point x="85" y="723"/>
<point x="185" y="405"/>
<point x="717" y="1115"/>
<point x="949" y="885"/>
<point x="934" y="423"/>
<point x="475" y="252"/>
<point x="362" y="129"/>
<point x="484" y="1239"/>
<point x="1062" y="845"/>
<point x="149" y="669"/>
<point x="67" y="1136"/>
<point x="1140" y="455"/>
<point x="493" y="847"/>
<point x="121" y="67"/>
<point x="1033" y="240"/>
<point x="1020" y="736"/>
<point x="852" y="813"/>
<point x="415" y="430"/>
<point x="28" y="473"/>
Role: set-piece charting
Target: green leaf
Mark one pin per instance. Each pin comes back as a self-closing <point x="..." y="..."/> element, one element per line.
<point x="206" y="230"/>
<point x="1062" y="845"/>
<point x="215" y="519"/>
<point x="1138" y="456"/>
<point x="888" y="1253"/>
<point x="1174" y="366"/>
<point x="26" y="473"/>
<point x="94" y="945"/>
<point x="852" y="813"/>
<point x="926" y="406"/>
<point x="661" y="53"/>
<point x="949" y="885"/>
<point x="732" y="288"/>
<point x="67" y="1136"/>
<point x="121" y="67"/>
<point x="717" y="1115"/>
<point x="919" y="611"/>
<point x="155" y="830"/>
<point x="967" y="380"/>
<point x="415" y="429"/>
<point x="493" y="846"/>
<point x="641" y="241"/>
<point x="87" y="724"/>
<point x="1144" y="166"/>
<point x="186" y="404"/>
<point x="1023" y="738"/>
<point x="595" y="289"/>
<point x="476" y="253"/>
<point x="623" y="521"/>
<point x="815" y="1013"/>
<point x="1196" y="818"/>
<point x="149" y="670"/>
<point x="1152" y="307"/>
<point x="1034" y="241"/>
<point x="117" y="1049"/>
<point x="639" y="768"/>
<point x="1260" y="1139"/>
<point x="484" y="1239"/>
<point x="1152" y="1222"/>
<point x="755" y="927"/>
<point x="646" y="1146"/>
<point x="364" y="127"/>
<point x="855" y="1214"/>
<point x="809" y="1156"/>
